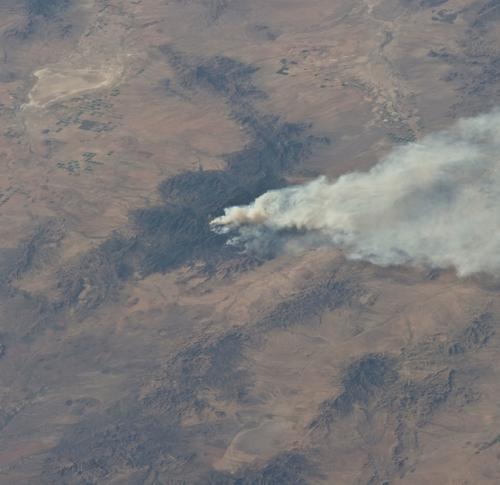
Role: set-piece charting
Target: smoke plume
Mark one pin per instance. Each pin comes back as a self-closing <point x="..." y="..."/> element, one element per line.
<point x="434" y="202"/>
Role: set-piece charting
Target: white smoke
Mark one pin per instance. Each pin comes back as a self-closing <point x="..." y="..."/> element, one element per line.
<point x="434" y="202"/>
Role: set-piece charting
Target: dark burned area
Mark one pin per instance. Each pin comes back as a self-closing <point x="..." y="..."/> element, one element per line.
<point x="177" y="232"/>
<point x="182" y="406"/>
<point x="145" y="435"/>
<point x="140" y="432"/>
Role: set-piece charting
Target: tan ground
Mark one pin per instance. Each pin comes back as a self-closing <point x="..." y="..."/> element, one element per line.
<point x="94" y="115"/>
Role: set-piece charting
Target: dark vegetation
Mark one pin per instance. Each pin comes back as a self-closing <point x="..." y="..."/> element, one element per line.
<point x="432" y="3"/>
<point x="363" y="380"/>
<point x="38" y="20"/>
<point x="374" y="378"/>
<point x="287" y="468"/>
<point x="46" y="8"/>
<point x="475" y="336"/>
<point x="313" y="301"/>
<point x="488" y="12"/>
<point x="475" y="68"/>
<point x="422" y="398"/>
<point x="489" y="444"/>
<point x="373" y="384"/>
<point x="39" y="247"/>
<point x="119" y="440"/>
<point x="423" y="3"/>
<point x="177" y="232"/>
<point x="198" y="368"/>
<point x="143" y="432"/>
<point x="8" y="265"/>
<point x="98" y="275"/>
<point x="215" y="8"/>
<point x="23" y="314"/>
<point x="139" y="434"/>
<point x="96" y="126"/>
<point x="445" y="16"/>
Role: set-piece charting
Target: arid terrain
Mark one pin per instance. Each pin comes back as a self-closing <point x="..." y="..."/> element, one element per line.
<point x="136" y="346"/>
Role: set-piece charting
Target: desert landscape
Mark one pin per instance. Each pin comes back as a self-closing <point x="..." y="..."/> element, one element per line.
<point x="136" y="345"/>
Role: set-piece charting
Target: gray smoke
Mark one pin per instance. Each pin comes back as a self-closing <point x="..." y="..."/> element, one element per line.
<point x="434" y="202"/>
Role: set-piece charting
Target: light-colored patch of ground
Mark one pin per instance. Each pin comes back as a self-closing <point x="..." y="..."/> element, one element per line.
<point x="96" y="138"/>
<point x="261" y="441"/>
<point x="55" y="84"/>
